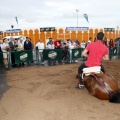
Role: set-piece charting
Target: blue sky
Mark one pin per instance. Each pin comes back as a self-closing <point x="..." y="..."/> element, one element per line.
<point x="34" y="14"/>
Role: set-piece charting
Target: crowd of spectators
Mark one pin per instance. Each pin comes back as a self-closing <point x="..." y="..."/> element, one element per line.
<point x="14" y="45"/>
<point x="66" y="45"/>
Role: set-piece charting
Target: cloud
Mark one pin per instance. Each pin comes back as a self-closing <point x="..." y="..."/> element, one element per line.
<point x="39" y="13"/>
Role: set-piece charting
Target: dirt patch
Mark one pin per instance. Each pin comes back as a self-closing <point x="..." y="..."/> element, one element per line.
<point x="48" y="93"/>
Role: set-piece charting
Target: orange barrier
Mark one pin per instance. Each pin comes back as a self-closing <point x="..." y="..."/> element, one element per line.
<point x="62" y="34"/>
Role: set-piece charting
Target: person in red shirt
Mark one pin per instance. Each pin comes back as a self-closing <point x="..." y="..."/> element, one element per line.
<point x="111" y="43"/>
<point x="97" y="52"/>
<point x="57" y="44"/>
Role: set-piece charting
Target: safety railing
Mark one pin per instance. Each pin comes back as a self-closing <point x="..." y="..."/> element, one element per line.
<point x="49" y="55"/>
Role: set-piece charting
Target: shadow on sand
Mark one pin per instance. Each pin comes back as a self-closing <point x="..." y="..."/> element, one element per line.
<point x="3" y="81"/>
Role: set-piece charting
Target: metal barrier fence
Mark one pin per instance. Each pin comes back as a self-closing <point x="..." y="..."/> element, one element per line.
<point x="51" y="56"/>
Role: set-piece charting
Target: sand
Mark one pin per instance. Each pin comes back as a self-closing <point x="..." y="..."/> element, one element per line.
<point x="48" y="93"/>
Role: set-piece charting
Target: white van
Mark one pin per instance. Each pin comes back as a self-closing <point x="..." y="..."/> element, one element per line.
<point x="16" y="37"/>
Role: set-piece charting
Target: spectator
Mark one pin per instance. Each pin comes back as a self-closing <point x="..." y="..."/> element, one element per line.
<point x="31" y="43"/>
<point x="41" y="46"/>
<point x="105" y="41"/>
<point x="51" y="46"/>
<point x="20" y="47"/>
<point x="5" y="49"/>
<point x="57" y="44"/>
<point x="83" y="44"/>
<point x="111" y="43"/>
<point x="77" y="43"/>
<point x="13" y="47"/>
<point x="1" y="53"/>
<point x="33" y="50"/>
<point x="28" y="46"/>
<point x="49" y="41"/>
<point x="71" y="46"/>
<point x="65" y="50"/>
<point x="117" y="44"/>
<point x="90" y="40"/>
<point x="1" y="45"/>
<point x="66" y="53"/>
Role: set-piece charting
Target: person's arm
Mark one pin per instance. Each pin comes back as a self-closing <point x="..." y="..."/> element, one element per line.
<point x="106" y="57"/>
<point x="37" y="45"/>
<point x="84" y="53"/>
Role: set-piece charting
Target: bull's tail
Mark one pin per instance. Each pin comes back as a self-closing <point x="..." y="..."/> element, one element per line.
<point x="114" y="97"/>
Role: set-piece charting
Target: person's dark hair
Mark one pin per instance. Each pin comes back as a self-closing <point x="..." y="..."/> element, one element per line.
<point x="100" y="36"/>
<point x="4" y="40"/>
<point x="90" y="38"/>
<point x="50" y="39"/>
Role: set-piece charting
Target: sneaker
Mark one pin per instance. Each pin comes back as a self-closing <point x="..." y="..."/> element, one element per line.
<point x="79" y="86"/>
<point x="42" y="63"/>
<point x="76" y="61"/>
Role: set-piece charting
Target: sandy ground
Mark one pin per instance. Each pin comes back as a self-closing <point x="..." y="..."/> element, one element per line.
<point x="48" y="93"/>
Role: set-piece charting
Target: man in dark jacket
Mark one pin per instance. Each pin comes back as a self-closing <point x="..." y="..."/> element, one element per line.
<point x="28" y="46"/>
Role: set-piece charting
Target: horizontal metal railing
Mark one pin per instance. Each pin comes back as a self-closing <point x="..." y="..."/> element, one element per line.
<point x="33" y="56"/>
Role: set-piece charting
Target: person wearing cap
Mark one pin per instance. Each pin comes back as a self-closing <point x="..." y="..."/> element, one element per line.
<point x="97" y="52"/>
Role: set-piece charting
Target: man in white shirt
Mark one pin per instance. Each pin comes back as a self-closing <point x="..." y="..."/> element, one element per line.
<point x="83" y="44"/>
<point x="20" y="45"/>
<point x="40" y="46"/>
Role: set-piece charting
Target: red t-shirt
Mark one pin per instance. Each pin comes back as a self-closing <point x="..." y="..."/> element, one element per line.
<point x="57" y="44"/>
<point x="96" y="52"/>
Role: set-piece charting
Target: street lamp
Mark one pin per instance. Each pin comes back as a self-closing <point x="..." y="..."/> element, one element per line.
<point x="77" y="10"/>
